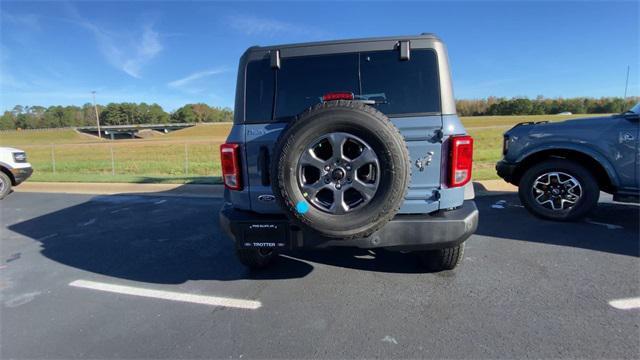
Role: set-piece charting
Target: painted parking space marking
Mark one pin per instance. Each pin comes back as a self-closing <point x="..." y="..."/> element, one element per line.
<point x="47" y="237"/>
<point x="88" y="222"/>
<point x="168" y="295"/>
<point x="608" y="226"/>
<point x="119" y="210"/>
<point x="626" y="304"/>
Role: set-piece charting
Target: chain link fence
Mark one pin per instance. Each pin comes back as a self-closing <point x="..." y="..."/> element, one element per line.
<point x="153" y="161"/>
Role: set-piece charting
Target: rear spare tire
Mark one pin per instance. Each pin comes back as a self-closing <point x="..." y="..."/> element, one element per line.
<point x="342" y="169"/>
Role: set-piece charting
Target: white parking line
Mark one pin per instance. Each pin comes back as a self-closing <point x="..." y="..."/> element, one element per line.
<point x="608" y="226"/>
<point x="168" y="295"/>
<point x="626" y="304"/>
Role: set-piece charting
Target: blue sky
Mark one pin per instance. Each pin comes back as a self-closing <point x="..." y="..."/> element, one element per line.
<point x="173" y="53"/>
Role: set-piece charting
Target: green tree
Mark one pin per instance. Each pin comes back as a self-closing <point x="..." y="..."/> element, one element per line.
<point x="184" y="114"/>
<point x="7" y="121"/>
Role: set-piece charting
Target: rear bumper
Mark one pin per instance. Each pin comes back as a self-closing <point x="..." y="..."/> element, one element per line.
<point x="21" y="174"/>
<point x="506" y="170"/>
<point x="403" y="233"/>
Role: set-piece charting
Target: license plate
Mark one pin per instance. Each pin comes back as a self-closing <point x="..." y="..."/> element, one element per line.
<point x="264" y="235"/>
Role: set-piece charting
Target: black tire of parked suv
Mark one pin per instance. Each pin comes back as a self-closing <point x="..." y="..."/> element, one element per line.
<point x="442" y="259"/>
<point x="256" y="258"/>
<point x="372" y="127"/>
<point x="5" y="185"/>
<point x="586" y="203"/>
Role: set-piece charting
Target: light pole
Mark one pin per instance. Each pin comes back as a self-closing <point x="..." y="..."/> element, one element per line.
<point x="97" y="117"/>
<point x="626" y="84"/>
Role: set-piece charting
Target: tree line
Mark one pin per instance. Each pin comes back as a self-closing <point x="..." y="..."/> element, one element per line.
<point x="37" y="117"/>
<point x="543" y="106"/>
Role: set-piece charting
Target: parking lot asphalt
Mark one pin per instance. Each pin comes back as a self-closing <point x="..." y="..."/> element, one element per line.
<point x="129" y="276"/>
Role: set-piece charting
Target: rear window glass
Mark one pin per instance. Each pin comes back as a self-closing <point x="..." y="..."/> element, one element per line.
<point x="401" y="87"/>
<point x="303" y="80"/>
<point x="397" y="87"/>
<point x="259" y="91"/>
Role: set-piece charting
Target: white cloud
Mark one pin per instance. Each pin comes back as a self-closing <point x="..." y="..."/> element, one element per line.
<point x="128" y="51"/>
<point x="193" y="83"/>
<point x="148" y="48"/>
<point x="253" y="25"/>
<point x="194" y="77"/>
<point x="31" y="21"/>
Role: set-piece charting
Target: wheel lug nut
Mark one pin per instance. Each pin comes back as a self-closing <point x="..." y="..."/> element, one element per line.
<point x="327" y="168"/>
<point x="338" y="186"/>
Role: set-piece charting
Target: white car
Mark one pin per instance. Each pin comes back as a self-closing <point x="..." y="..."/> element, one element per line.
<point x="14" y="169"/>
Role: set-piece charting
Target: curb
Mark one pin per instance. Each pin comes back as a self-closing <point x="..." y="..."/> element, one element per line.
<point x="481" y="188"/>
<point x="493" y="187"/>
<point x="171" y="190"/>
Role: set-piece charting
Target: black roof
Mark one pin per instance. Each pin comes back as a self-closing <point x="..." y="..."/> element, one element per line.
<point x="425" y="36"/>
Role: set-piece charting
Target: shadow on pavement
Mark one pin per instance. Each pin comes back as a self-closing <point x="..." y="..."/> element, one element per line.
<point x="611" y="227"/>
<point x="377" y="260"/>
<point x="151" y="239"/>
<point x="171" y="240"/>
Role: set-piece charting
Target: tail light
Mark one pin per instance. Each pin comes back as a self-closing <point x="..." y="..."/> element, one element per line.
<point x="460" y="160"/>
<point x="337" y="96"/>
<point x="231" y="170"/>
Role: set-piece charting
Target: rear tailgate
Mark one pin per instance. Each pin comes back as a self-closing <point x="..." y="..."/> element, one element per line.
<point x="423" y="142"/>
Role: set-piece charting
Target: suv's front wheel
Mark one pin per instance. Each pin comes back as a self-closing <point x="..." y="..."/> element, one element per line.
<point x="558" y="189"/>
<point x="5" y="185"/>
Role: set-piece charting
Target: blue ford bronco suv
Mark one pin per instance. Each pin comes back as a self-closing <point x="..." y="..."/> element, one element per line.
<point x="561" y="167"/>
<point x="348" y="143"/>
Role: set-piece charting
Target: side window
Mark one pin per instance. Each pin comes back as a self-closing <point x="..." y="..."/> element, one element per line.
<point x="303" y="80"/>
<point x="259" y="91"/>
<point x="401" y="87"/>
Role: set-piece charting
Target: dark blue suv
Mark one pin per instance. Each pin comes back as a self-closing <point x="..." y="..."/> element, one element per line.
<point x="561" y="167"/>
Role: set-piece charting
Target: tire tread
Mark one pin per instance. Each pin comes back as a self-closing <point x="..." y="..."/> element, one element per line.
<point x="285" y="142"/>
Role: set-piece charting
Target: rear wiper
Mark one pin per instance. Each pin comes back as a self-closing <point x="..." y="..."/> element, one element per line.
<point x="370" y="101"/>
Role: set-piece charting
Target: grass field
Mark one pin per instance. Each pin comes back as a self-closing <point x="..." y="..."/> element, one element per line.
<point x="191" y="155"/>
